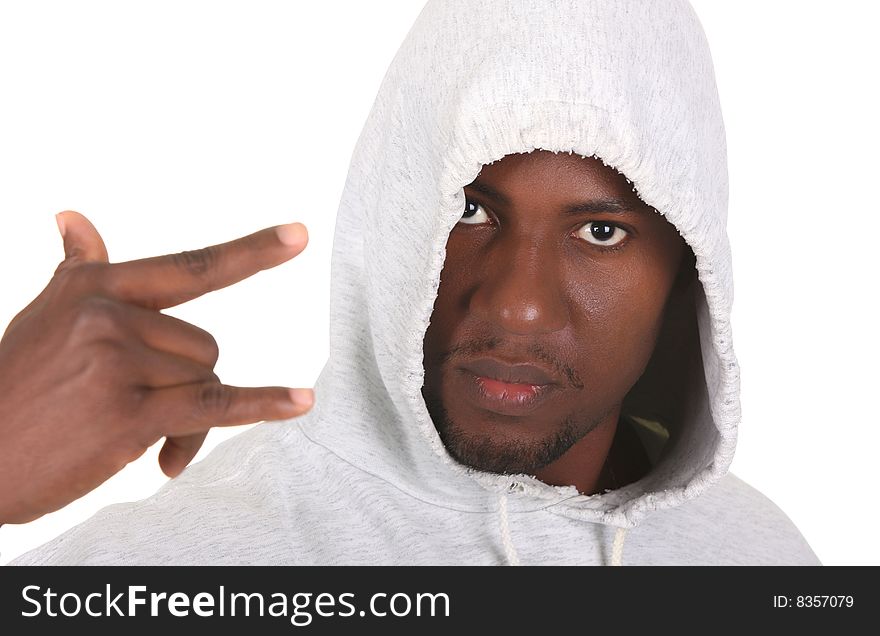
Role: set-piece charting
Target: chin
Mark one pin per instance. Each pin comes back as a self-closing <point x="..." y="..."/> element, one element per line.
<point x="498" y="447"/>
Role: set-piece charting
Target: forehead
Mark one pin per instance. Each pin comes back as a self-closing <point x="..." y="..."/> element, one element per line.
<point x="545" y="171"/>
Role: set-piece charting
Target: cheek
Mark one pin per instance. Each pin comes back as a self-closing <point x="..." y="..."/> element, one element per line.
<point x="456" y="277"/>
<point x="446" y="314"/>
<point x="616" y="318"/>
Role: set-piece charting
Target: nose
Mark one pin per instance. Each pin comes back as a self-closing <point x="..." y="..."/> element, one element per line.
<point x="521" y="290"/>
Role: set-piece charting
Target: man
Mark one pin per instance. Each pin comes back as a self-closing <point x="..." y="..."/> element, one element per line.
<point x="530" y="357"/>
<point x="565" y="303"/>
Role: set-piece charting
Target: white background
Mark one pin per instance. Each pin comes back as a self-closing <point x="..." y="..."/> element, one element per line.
<point x="175" y="125"/>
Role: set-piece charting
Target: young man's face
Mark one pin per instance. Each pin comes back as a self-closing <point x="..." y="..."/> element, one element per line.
<point x="578" y="293"/>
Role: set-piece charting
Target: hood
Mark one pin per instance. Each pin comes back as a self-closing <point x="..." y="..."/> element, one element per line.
<point x="628" y="81"/>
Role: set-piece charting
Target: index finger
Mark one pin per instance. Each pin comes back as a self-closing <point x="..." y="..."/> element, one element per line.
<point x="158" y="282"/>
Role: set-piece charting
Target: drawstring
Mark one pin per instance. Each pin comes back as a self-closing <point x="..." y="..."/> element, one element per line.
<point x="617" y="547"/>
<point x="506" y="540"/>
<point x="510" y="550"/>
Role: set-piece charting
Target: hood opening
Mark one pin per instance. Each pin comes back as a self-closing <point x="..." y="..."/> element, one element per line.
<point x="628" y="81"/>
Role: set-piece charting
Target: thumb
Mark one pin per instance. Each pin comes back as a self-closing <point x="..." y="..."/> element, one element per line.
<point x="82" y="243"/>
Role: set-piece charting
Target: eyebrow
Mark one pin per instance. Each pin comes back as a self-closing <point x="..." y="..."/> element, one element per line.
<point x="614" y="206"/>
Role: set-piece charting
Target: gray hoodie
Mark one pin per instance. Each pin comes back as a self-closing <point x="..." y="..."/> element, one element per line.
<point x="364" y="478"/>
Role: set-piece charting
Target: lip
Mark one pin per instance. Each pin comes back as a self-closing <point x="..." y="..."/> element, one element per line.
<point x="521" y="373"/>
<point x="505" y="398"/>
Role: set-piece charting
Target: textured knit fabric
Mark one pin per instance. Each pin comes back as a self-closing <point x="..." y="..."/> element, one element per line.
<point x="364" y="478"/>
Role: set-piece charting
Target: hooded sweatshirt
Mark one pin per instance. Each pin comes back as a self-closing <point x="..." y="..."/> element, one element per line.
<point x="364" y="478"/>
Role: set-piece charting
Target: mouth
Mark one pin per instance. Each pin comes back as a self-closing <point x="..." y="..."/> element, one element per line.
<point x="518" y="373"/>
<point x="505" y="398"/>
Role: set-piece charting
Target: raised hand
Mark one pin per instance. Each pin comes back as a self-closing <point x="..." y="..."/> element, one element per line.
<point x="92" y="373"/>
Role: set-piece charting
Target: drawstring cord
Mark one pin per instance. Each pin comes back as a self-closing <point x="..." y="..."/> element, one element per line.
<point x="617" y="547"/>
<point x="506" y="540"/>
<point x="510" y="550"/>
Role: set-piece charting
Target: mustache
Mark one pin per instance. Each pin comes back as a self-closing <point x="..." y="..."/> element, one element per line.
<point x="534" y="352"/>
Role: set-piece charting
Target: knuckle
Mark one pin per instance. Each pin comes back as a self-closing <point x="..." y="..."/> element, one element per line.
<point x="212" y="349"/>
<point x="106" y="362"/>
<point x="138" y="396"/>
<point x="199" y="263"/>
<point x="213" y="399"/>
<point x="97" y="317"/>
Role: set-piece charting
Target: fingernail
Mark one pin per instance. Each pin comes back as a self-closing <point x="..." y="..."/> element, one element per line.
<point x="302" y="397"/>
<point x="60" y="223"/>
<point x="292" y="233"/>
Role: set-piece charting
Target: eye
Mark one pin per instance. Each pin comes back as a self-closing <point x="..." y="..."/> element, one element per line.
<point x="474" y="213"/>
<point x="602" y="233"/>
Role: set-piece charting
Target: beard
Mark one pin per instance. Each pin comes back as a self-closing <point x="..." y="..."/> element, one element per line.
<point x="502" y="454"/>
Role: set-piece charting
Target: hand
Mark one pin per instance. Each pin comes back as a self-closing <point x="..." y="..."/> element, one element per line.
<point x="92" y="373"/>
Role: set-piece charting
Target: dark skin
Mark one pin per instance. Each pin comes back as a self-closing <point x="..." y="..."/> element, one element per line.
<point x="92" y="373"/>
<point x="583" y="293"/>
